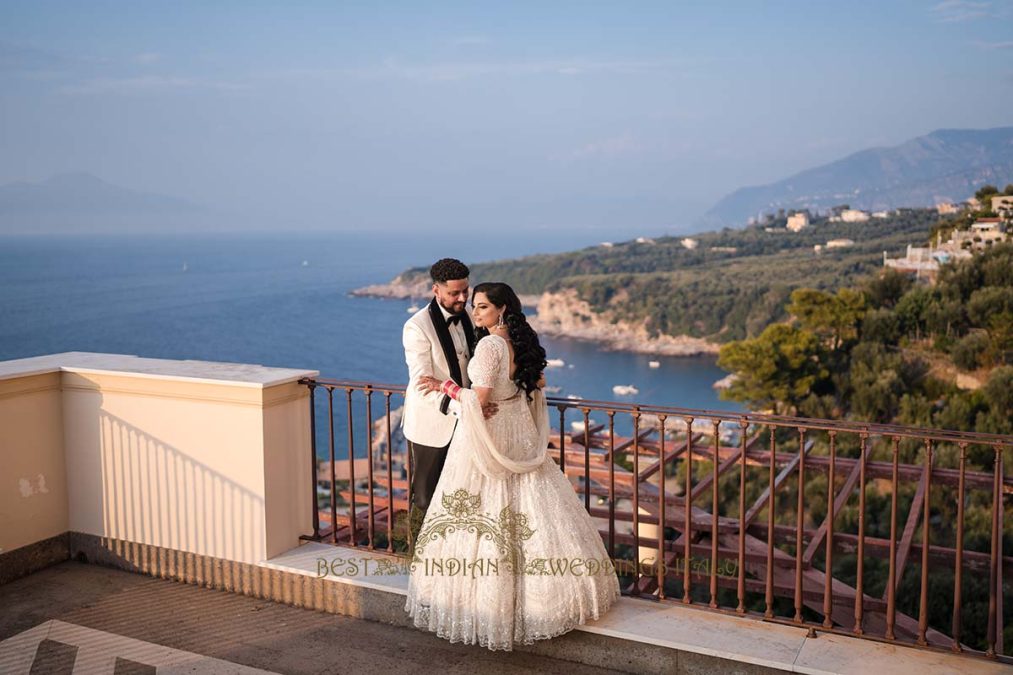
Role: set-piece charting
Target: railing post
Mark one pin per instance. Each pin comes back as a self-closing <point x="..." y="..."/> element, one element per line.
<point x="714" y="516"/>
<point x="769" y="581"/>
<point x="993" y="567"/>
<point x="799" y="525"/>
<point x="662" y="565"/>
<point x="891" y="583"/>
<point x="860" y="580"/>
<point x="828" y="577"/>
<point x="741" y="587"/>
<point x="313" y="461"/>
<point x="687" y="533"/>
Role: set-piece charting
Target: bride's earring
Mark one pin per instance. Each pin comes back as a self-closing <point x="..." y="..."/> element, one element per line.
<point x="499" y="322"/>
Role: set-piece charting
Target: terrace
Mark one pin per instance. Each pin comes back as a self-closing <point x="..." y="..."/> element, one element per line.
<point x="286" y="488"/>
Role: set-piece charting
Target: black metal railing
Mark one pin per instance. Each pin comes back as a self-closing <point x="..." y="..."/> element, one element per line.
<point x="885" y="532"/>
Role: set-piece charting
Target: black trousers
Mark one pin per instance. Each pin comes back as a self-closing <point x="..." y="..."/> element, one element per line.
<point x="427" y="465"/>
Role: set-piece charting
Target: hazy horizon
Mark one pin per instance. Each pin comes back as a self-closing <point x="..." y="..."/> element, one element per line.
<point x="613" y="120"/>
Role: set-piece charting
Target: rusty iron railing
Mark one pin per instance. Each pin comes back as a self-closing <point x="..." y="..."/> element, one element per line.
<point x="896" y="533"/>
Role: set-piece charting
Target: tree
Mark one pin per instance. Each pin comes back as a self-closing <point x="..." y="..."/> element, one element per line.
<point x="998" y="394"/>
<point x="879" y="379"/>
<point x="833" y="316"/>
<point x="985" y="193"/>
<point x="776" y="369"/>
<point x="970" y="352"/>
<point x="912" y="310"/>
<point x="887" y="288"/>
<point x="882" y="326"/>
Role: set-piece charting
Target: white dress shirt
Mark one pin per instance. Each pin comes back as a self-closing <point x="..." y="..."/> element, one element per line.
<point x="460" y="345"/>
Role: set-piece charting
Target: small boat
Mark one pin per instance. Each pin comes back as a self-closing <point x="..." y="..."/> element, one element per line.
<point x="185" y="268"/>
<point x="555" y="363"/>
<point x="625" y="390"/>
<point x="552" y="389"/>
<point x="305" y="263"/>
<point x="574" y="397"/>
<point x="654" y="364"/>
<point x="413" y="308"/>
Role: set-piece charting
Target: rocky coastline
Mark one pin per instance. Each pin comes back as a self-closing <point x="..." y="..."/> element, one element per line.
<point x="563" y="314"/>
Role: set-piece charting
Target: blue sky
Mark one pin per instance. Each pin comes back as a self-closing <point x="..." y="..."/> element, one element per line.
<point x="624" y="118"/>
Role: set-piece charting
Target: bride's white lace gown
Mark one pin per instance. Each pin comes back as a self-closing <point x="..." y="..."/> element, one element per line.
<point x="506" y="554"/>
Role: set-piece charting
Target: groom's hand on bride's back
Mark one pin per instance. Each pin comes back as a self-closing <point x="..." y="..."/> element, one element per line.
<point x="489" y="409"/>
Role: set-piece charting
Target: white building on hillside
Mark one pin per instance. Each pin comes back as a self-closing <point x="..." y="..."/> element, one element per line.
<point x="1003" y="205"/>
<point x="798" y="221"/>
<point x="840" y="243"/>
<point x="854" y="216"/>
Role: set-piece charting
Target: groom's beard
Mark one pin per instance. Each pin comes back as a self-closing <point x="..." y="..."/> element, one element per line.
<point x="455" y="307"/>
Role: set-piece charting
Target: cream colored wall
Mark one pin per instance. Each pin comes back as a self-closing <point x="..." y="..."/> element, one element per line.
<point x="287" y="465"/>
<point x="168" y="463"/>
<point x="219" y="468"/>
<point x="33" y="480"/>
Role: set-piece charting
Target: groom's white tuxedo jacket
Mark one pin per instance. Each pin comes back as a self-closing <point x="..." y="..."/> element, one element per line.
<point x="432" y="348"/>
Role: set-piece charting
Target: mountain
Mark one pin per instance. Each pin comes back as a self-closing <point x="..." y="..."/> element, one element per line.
<point x="79" y="201"/>
<point x="945" y="165"/>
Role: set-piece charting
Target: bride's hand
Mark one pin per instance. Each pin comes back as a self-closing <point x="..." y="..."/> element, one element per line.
<point x="427" y="383"/>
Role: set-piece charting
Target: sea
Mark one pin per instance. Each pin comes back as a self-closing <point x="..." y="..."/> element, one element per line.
<point x="282" y="299"/>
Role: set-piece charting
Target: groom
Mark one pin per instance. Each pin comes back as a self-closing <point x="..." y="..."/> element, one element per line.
<point x="439" y="341"/>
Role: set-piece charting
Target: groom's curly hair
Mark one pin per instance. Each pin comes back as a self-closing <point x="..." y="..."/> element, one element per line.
<point x="529" y="355"/>
<point x="448" y="269"/>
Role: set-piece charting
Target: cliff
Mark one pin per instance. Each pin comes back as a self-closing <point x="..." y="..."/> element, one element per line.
<point x="563" y="313"/>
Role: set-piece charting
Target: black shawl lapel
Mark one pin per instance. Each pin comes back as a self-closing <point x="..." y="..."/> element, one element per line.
<point x="446" y="342"/>
<point x="469" y="332"/>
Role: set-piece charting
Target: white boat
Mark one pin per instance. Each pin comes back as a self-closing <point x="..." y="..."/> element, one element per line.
<point x="413" y="308"/>
<point x="654" y="364"/>
<point x="552" y="389"/>
<point x="579" y="424"/>
<point x="555" y="363"/>
<point x="305" y="263"/>
<point x="574" y="397"/>
<point x="185" y="268"/>
<point x="625" y="390"/>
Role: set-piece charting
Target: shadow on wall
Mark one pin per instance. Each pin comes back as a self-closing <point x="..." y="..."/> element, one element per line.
<point x="154" y="493"/>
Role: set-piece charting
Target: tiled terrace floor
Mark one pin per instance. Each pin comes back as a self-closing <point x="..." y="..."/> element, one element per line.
<point x="86" y="618"/>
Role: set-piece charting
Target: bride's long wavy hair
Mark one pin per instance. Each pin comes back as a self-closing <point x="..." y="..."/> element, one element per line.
<point x="529" y="356"/>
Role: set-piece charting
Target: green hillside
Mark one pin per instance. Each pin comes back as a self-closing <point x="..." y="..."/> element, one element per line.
<point x="706" y="293"/>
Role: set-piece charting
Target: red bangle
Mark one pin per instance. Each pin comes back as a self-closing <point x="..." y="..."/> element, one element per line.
<point x="451" y="389"/>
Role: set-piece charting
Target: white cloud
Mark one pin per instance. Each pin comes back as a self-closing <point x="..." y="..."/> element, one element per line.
<point x="145" y="84"/>
<point x="393" y="68"/>
<point x="992" y="46"/>
<point x="953" y="11"/>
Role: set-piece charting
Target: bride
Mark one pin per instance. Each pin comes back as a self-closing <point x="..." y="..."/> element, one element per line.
<point x="506" y="554"/>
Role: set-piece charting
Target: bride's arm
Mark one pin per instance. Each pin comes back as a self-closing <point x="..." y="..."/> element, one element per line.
<point x="483" y="394"/>
<point x="448" y="387"/>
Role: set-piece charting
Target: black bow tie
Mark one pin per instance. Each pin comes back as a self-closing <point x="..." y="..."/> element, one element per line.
<point x="455" y="318"/>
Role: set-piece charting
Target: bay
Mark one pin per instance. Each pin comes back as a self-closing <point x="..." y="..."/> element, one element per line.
<point x="281" y="299"/>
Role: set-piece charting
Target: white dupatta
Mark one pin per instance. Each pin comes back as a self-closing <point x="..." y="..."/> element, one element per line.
<point x="493" y="461"/>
